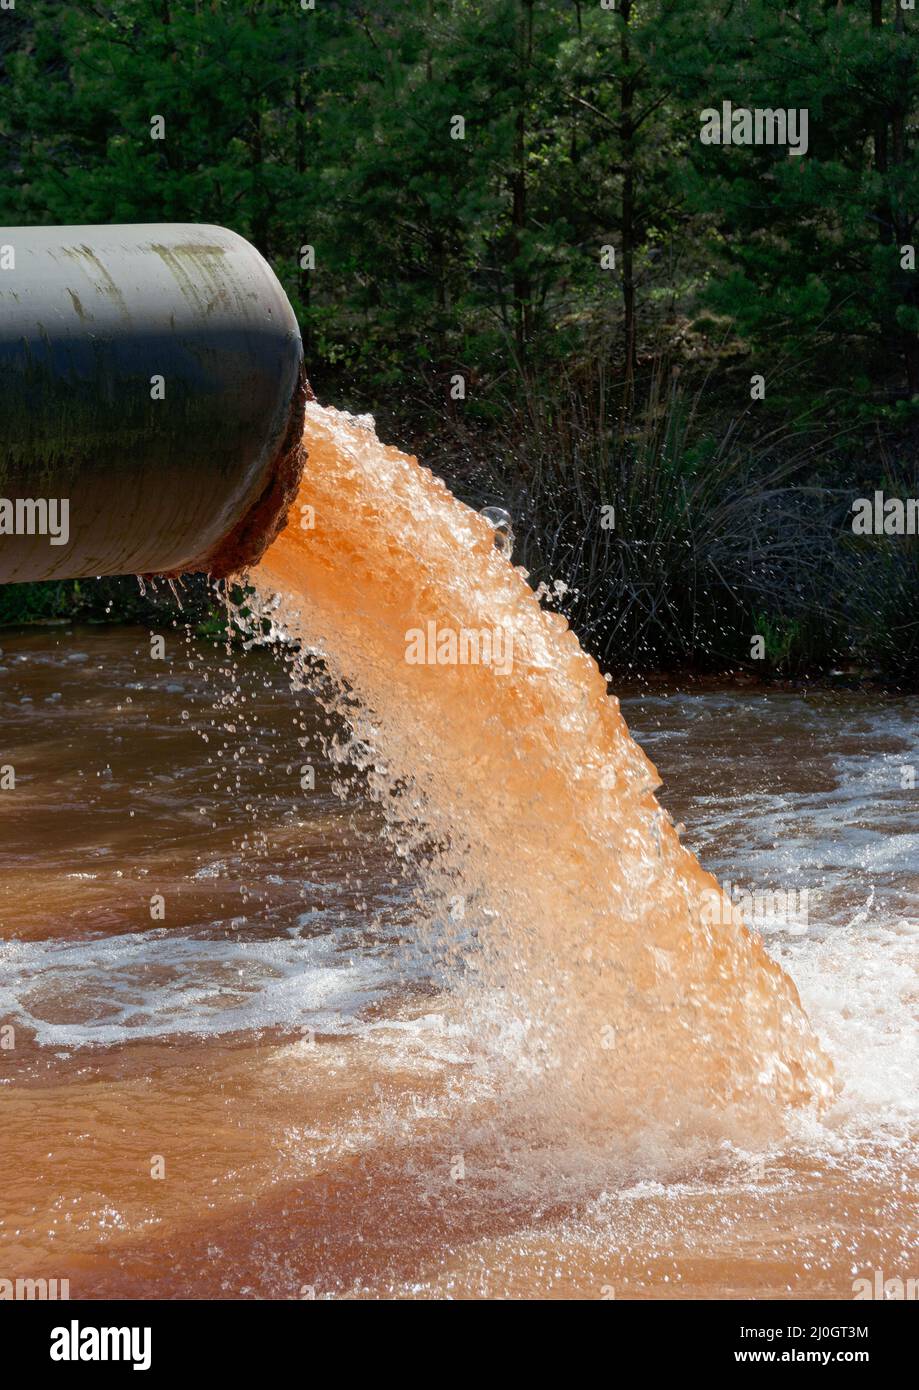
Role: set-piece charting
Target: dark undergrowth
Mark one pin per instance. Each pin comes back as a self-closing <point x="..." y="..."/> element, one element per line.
<point x="675" y="540"/>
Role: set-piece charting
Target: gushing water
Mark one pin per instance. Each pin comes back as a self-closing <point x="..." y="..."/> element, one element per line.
<point x="573" y="924"/>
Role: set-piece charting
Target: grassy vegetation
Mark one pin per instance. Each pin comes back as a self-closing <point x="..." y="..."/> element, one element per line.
<point x="680" y="535"/>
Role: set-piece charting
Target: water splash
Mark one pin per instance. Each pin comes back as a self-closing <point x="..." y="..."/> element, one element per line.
<point x="570" y="917"/>
<point x="503" y="527"/>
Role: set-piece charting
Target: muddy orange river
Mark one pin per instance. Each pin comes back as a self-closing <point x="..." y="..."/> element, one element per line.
<point x="389" y="962"/>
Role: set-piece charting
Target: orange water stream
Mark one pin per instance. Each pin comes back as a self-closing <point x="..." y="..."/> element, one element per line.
<point x="626" y="1002"/>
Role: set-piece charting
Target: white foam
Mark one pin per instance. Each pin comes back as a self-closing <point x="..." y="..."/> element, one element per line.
<point x="860" y="988"/>
<point x="162" y="983"/>
<point x="851" y="840"/>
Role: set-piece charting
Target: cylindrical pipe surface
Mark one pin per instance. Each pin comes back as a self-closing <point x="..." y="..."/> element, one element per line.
<point x="151" y="399"/>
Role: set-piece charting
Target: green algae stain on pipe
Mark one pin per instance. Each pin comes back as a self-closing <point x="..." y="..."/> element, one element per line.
<point x="78" y="307"/>
<point x="91" y="318"/>
<point x="102" y="279"/>
<point x="193" y="267"/>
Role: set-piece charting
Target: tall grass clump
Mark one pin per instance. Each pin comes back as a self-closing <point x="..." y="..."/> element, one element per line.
<point x="670" y="543"/>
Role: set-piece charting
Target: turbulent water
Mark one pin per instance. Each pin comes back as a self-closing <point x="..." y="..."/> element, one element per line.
<point x="619" y="996"/>
<point x="399" y="983"/>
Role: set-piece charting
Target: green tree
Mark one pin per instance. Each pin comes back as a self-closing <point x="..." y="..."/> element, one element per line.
<point x="807" y="250"/>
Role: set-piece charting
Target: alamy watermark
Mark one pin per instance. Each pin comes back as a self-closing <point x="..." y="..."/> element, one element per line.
<point x="885" y="516"/>
<point x="26" y="1290"/>
<point x="876" y="1286"/>
<point x="82" y="1343"/>
<point x="759" y="126"/>
<point x="461" y="646"/>
<point x="36" y="516"/>
<point x="764" y="909"/>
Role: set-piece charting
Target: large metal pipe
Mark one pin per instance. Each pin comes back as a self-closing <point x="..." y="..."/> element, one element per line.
<point x="151" y="390"/>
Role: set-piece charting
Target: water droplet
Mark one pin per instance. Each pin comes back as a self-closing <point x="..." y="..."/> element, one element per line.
<point x="503" y="527"/>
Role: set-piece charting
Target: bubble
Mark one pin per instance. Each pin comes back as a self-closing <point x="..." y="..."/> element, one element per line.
<point x="503" y="526"/>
